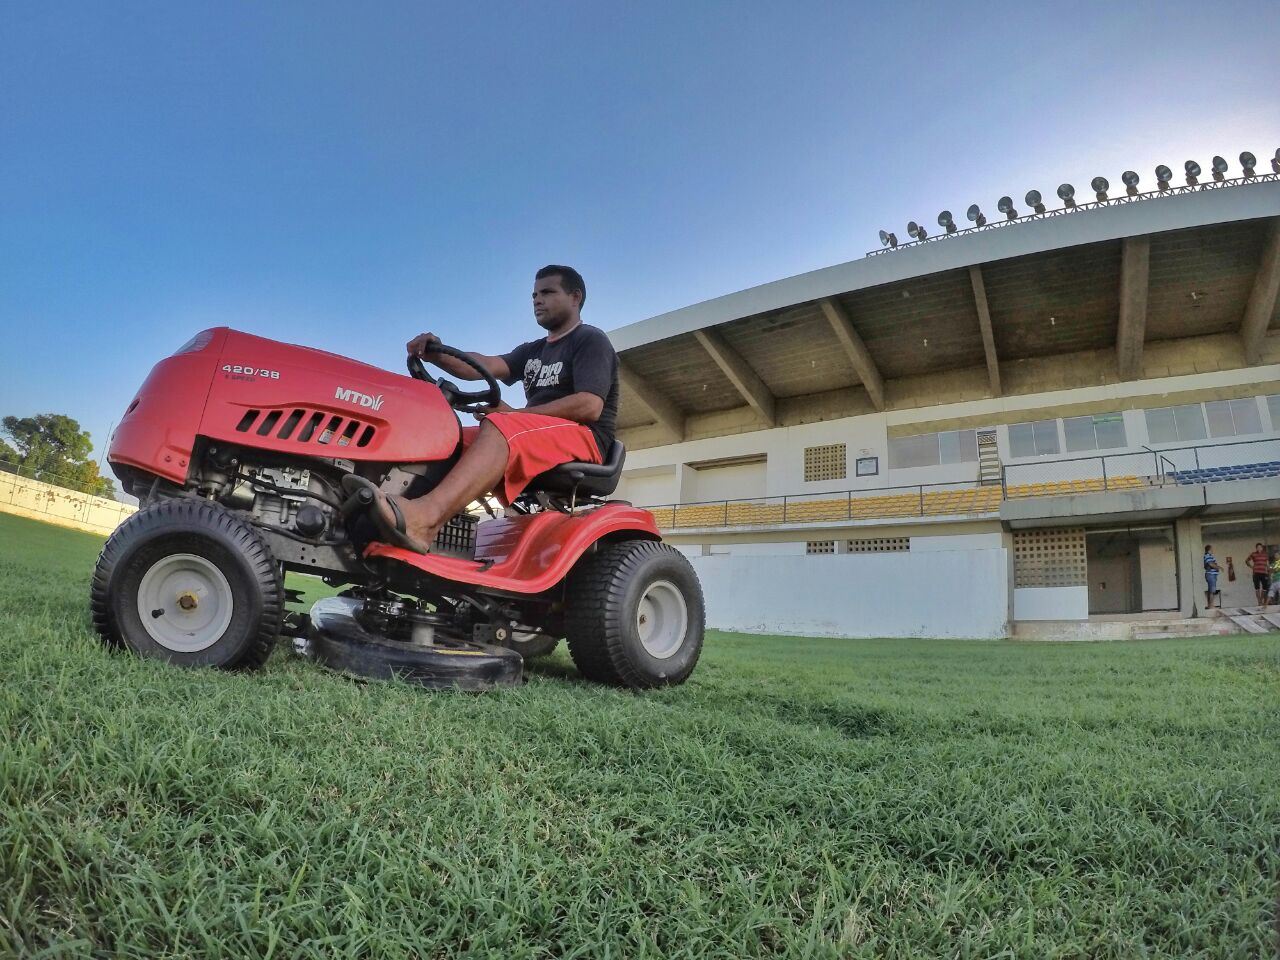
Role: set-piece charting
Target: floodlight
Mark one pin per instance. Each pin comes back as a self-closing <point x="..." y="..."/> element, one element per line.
<point x="1275" y="162"/>
<point x="888" y="239"/>
<point x="1163" y="176"/>
<point x="975" y="214"/>
<point x="1248" y="161"/>
<point x="1005" y="206"/>
<point x="916" y="232"/>
<point x="1130" y="180"/>
<point x="1193" y="171"/>
<point x="1067" y="194"/>
<point x="1100" y="187"/>
<point x="1034" y="201"/>
<point x="945" y="220"/>
<point x="1219" y="166"/>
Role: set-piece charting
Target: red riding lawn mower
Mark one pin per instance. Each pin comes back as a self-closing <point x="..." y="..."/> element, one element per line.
<point x="236" y="447"/>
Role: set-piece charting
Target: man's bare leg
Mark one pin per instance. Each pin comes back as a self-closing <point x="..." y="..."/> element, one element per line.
<point x="478" y="471"/>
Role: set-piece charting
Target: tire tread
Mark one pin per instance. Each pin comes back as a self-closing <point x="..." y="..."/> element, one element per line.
<point x="597" y="590"/>
<point x="192" y="516"/>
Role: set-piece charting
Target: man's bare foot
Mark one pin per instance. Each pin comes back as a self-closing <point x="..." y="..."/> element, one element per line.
<point x="389" y="515"/>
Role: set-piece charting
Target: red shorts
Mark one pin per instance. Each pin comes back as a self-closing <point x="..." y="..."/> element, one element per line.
<point x="535" y="444"/>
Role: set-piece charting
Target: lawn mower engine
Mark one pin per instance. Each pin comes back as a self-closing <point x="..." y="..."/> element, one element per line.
<point x="236" y="447"/>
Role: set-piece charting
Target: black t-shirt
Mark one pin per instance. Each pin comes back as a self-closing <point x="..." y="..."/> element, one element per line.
<point x="584" y="361"/>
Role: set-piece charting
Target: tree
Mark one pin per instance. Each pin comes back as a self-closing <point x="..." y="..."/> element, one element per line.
<point x="52" y="447"/>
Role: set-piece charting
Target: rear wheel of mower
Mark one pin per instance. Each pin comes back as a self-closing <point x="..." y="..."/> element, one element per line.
<point x="189" y="582"/>
<point x="635" y="615"/>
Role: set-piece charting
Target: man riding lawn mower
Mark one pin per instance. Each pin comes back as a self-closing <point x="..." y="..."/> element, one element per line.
<point x="252" y="457"/>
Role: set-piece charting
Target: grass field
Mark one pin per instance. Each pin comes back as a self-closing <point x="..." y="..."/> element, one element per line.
<point x="797" y="798"/>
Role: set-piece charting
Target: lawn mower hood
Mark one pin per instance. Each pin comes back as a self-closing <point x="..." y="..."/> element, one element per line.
<point x="254" y="392"/>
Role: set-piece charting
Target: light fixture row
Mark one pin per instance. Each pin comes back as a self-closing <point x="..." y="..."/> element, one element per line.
<point x="1100" y="187"/>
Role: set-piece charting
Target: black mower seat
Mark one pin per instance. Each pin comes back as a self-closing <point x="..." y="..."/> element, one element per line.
<point x="590" y="479"/>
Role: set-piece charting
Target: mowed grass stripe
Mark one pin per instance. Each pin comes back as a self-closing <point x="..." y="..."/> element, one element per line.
<point x="797" y="798"/>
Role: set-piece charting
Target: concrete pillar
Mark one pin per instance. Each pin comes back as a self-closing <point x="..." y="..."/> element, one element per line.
<point x="686" y="482"/>
<point x="1006" y="541"/>
<point x="1189" y="551"/>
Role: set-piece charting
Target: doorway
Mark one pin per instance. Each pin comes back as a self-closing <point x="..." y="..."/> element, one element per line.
<point x="1111" y="559"/>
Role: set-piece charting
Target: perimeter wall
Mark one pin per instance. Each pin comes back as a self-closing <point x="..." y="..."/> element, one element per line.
<point x="935" y="593"/>
<point x="66" y="508"/>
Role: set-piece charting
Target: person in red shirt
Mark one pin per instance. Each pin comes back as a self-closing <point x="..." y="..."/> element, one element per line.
<point x="1259" y="563"/>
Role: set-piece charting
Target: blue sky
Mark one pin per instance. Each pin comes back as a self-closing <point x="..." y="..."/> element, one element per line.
<point x="347" y="175"/>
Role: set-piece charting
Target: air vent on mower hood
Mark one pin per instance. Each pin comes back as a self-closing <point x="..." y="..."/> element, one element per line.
<point x="307" y="426"/>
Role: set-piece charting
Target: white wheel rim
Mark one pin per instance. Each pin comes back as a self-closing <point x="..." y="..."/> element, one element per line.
<point x="185" y="603"/>
<point x="662" y="619"/>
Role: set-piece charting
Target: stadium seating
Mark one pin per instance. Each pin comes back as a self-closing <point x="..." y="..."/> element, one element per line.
<point x="1247" y="471"/>
<point x="883" y="506"/>
<point x="1066" y="488"/>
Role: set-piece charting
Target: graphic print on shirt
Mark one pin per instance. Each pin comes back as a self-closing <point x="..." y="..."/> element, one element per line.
<point x="536" y="375"/>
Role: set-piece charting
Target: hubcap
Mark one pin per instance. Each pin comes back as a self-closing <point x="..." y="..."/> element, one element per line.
<point x="185" y="602"/>
<point x="662" y="619"/>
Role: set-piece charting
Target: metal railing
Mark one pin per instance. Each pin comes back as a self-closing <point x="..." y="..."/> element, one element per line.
<point x="913" y="500"/>
<point x="1041" y="478"/>
<point x="1129" y="471"/>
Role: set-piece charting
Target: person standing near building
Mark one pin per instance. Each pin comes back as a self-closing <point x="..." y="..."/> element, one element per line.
<point x="1274" y="591"/>
<point x="1260" y="564"/>
<point x="1211" y="569"/>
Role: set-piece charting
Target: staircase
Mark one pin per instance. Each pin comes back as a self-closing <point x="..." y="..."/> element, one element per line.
<point x="1252" y="619"/>
<point x="989" y="466"/>
<point x="1195" y="627"/>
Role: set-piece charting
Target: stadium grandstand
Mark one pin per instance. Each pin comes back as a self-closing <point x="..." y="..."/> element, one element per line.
<point x="1033" y="424"/>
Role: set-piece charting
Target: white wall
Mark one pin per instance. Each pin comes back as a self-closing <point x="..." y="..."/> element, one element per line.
<point x="1051" y="603"/>
<point x="741" y="481"/>
<point x="782" y="548"/>
<point x="963" y="541"/>
<point x="649" y="489"/>
<point x="67" y="508"/>
<point x="958" y="593"/>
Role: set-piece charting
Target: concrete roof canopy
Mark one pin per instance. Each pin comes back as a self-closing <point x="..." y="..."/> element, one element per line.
<point x="959" y="317"/>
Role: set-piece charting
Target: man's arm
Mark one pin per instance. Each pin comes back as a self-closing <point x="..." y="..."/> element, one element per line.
<point x="424" y="344"/>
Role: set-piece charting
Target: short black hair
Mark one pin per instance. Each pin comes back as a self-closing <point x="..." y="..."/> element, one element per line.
<point x="570" y="280"/>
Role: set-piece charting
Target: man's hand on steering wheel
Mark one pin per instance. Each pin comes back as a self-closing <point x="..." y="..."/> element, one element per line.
<point x="502" y="407"/>
<point x="475" y="402"/>
<point x="423" y="345"/>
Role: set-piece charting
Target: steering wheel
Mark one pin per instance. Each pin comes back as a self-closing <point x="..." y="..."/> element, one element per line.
<point x="474" y="401"/>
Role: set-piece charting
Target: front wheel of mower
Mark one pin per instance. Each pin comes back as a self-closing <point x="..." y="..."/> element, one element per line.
<point x="635" y="615"/>
<point x="189" y="582"/>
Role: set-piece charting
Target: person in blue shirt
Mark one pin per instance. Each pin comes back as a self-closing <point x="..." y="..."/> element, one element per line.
<point x="1211" y="569"/>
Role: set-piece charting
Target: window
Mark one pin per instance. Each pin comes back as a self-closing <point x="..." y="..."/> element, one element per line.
<point x="824" y="463"/>
<point x="958" y="446"/>
<point x="1174" y="424"/>
<point x="1099" y="432"/>
<point x="920" y="451"/>
<point x="867" y="466"/>
<point x="1230" y="418"/>
<point x="820" y="546"/>
<point x="1036" y="439"/>
<point x="931" y="449"/>
<point x="880" y="545"/>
